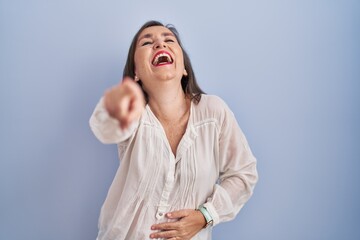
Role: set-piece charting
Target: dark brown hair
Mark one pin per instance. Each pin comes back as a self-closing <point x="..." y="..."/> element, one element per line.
<point x="188" y="83"/>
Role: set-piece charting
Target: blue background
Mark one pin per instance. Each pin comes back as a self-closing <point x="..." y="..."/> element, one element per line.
<point x="290" y="71"/>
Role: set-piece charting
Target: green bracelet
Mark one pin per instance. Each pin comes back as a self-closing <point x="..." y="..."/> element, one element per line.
<point x="207" y="216"/>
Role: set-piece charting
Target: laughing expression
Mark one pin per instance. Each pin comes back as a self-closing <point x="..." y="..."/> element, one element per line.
<point x="162" y="58"/>
<point x="158" y="56"/>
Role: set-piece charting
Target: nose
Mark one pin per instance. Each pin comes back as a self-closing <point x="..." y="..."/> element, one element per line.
<point x="160" y="44"/>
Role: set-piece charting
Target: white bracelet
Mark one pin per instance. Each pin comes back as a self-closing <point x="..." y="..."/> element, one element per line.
<point x="207" y="216"/>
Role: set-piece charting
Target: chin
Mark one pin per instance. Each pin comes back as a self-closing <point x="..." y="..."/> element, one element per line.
<point x="167" y="77"/>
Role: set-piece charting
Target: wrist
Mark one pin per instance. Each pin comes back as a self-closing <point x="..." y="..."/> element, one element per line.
<point x="207" y="216"/>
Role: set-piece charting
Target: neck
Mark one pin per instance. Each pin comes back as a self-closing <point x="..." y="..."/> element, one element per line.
<point x="169" y="103"/>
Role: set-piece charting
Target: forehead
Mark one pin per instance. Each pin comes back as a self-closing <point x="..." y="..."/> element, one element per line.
<point x="154" y="30"/>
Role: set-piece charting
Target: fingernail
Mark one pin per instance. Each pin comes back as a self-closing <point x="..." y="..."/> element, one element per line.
<point x="168" y="214"/>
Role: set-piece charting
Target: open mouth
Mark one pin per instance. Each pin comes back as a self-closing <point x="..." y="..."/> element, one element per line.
<point x="162" y="58"/>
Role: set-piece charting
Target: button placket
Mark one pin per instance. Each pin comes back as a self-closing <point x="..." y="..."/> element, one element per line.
<point x="169" y="185"/>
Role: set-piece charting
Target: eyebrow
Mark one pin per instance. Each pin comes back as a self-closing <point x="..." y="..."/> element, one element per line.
<point x="149" y="35"/>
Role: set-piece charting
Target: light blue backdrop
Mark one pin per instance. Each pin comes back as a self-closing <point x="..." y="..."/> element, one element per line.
<point x="290" y="70"/>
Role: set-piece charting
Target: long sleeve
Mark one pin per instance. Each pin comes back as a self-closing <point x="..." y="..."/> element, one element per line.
<point x="106" y="128"/>
<point x="238" y="174"/>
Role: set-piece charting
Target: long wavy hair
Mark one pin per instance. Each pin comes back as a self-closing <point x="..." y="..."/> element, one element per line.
<point x="188" y="83"/>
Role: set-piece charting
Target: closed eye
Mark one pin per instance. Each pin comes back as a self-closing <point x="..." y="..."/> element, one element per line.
<point x="146" y="43"/>
<point x="169" y="40"/>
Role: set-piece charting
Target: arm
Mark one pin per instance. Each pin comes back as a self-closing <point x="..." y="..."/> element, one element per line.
<point x="238" y="174"/>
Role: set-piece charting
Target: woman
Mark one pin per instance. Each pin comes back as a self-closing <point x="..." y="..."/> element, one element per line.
<point x="185" y="164"/>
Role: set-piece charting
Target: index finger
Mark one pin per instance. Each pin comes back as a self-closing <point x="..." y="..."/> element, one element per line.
<point x="131" y="86"/>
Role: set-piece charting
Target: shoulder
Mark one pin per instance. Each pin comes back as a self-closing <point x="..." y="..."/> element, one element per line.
<point x="212" y="107"/>
<point x="212" y="103"/>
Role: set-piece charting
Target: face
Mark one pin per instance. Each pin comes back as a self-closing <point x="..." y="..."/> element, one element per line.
<point x="158" y="56"/>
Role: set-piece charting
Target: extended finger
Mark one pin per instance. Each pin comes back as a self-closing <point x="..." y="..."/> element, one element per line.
<point x="165" y="226"/>
<point x="132" y="87"/>
<point x="164" y="234"/>
<point x="123" y="110"/>
<point x="108" y="102"/>
<point x="137" y="101"/>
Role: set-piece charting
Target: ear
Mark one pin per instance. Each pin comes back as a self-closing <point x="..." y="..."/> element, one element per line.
<point x="136" y="78"/>
<point x="185" y="73"/>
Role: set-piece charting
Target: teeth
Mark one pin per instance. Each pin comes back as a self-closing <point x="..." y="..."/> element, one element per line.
<point x="156" y="60"/>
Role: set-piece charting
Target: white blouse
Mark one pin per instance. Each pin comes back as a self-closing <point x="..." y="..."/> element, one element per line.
<point x="213" y="166"/>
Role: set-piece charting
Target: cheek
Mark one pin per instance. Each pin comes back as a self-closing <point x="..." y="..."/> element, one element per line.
<point x="139" y="60"/>
<point x="181" y="63"/>
<point x="180" y="58"/>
